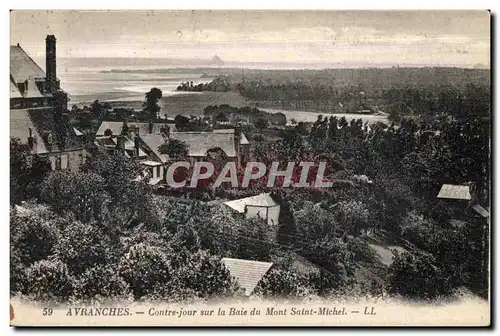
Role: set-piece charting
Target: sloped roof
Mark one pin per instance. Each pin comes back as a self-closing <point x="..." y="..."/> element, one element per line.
<point x="130" y="146"/>
<point x="77" y="132"/>
<point x="105" y="142"/>
<point x="41" y="121"/>
<point x="480" y="210"/>
<point x="200" y="142"/>
<point x="22" y="66"/>
<point x="261" y="200"/>
<point x="243" y="138"/>
<point x="248" y="273"/>
<point x="44" y="121"/>
<point x="116" y="127"/>
<point x="151" y="163"/>
<point x="20" y="124"/>
<point x="224" y="130"/>
<point x="33" y="91"/>
<point x="14" y="91"/>
<point x="153" y="141"/>
<point x="451" y="191"/>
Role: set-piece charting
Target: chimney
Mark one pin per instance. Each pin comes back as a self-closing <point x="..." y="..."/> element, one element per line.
<point x="136" y="145"/>
<point x="30" y="139"/>
<point x="237" y="131"/>
<point x="60" y="100"/>
<point x="120" y="142"/>
<point x="237" y="137"/>
<point x="50" y="64"/>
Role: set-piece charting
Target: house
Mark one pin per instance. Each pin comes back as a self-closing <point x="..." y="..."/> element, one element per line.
<point x="277" y="119"/>
<point x="139" y="141"/>
<point x="247" y="273"/>
<point x="39" y="109"/>
<point x="232" y="144"/>
<point x="262" y="205"/>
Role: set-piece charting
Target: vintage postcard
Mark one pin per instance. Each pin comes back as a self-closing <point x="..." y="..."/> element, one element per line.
<point x="250" y="168"/>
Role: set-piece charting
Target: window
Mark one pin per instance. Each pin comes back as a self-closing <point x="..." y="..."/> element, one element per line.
<point x="53" y="160"/>
<point x="64" y="161"/>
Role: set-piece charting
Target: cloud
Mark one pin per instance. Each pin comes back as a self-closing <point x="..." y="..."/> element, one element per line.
<point x="351" y="43"/>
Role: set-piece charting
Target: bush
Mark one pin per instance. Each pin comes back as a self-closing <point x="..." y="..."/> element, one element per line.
<point x="145" y="267"/>
<point x="33" y="234"/>
<point x="101" y="283"/>
<point x="284" y="283"/>
<point x="416" y="276"/>
<point x="48" y="281"/>
<point x="81" y="245"/>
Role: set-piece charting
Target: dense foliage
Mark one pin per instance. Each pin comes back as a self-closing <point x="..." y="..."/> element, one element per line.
<point x="396" y="91"/>
<point x="99" y="233"/>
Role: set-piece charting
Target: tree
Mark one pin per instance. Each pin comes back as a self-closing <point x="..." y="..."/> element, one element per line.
<point x="261" y="123"/>
<point x="151" y="107"/>
<point x="26" y="172"/>
<point x="100" y="282"/>
<point x="286" y="222"/>
<point x="48" y="281"/>
<point x="81" y="246"/>
<point x="416" y="276"/>
<point x="82" y="193"/>
<point x="124" y="197"/>
<point x="197" y="275"/>
<point x="280" y="282"/>
<point x="181" y="123"/>
<point x="33" y="233"/>
<point x="39" y="171"/>
<point x="144" y="268"/>
<point x="175" y="149"/>
<point x="19" y="169"/>
<point x="353" y="215"/>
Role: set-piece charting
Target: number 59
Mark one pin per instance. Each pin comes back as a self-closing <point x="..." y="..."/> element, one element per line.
<point x="47" y="311"/>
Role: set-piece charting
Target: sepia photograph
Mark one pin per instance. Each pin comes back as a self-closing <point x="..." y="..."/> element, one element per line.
<point x="250" y="168"/>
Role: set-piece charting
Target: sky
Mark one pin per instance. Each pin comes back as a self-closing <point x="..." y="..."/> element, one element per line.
<point x="367" y="38"/>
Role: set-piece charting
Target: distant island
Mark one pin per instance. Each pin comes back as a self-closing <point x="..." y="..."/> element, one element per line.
<point x="127" y="62"/>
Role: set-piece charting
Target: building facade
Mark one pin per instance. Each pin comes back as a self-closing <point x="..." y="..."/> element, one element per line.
<point x="38" y="109"/>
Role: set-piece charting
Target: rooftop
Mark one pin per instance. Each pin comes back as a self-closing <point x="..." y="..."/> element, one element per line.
<point x="24" y="69"/>
<point x="247" y="273"/>
<point x="153" y="142"/>
<point x="116" y="127"/>
<point x="481" y="211"/>
<point x="458" y="192"/>
<point x="42" y="121"/>
<point x="22" y="66"/>
<point x="261" y="200"/>
<point x="200" y="142"/>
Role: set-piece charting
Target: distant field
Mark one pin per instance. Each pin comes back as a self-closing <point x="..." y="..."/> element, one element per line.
<point x="193" y="103"/>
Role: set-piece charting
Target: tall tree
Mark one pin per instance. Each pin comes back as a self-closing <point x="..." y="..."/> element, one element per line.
<point x="151" y="107"/>
<point x="174" y="148"/>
